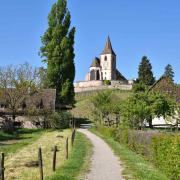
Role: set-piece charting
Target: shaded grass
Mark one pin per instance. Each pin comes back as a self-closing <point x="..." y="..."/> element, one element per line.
<point x="77" y="164"/>
<point x="10" y="143"/>
<point x="136" y="167"/>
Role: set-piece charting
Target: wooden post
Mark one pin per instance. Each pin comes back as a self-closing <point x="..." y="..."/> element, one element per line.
<point x="73" y="137"/>
<point x="54" y="158"/>
<point x="74" y="127"/>
<point x="2" y="167"/>
<point x="40" y="164"/>
<point x="67" y="149"/>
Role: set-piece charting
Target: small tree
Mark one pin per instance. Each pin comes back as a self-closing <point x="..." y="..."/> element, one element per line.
<point x="146" y="106"/>
<point x="145" y="74"/>
<point x="169" y="72"/>
<point x="105" y="104"/>
<point x="16" y="84"/>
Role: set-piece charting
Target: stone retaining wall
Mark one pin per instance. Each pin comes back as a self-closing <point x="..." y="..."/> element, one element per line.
<point x="84" y="86"/>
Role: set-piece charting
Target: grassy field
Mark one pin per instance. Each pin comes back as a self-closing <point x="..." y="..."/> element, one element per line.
<point x="21" y="148"/>
<point x="135" y="166"/>
<point x="78" y="163"/>
<point x="24" y="150"/>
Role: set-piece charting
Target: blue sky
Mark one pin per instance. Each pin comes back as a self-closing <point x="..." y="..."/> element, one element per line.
<point x="136" y="28"/>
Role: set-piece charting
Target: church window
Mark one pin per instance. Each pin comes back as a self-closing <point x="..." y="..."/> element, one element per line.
<point x="105" y="58"/>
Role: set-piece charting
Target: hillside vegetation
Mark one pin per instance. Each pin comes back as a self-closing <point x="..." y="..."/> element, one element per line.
<point x="83" y="106"/>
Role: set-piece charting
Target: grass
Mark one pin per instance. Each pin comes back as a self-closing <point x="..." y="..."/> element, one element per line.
<point x="83" y="107"/>
<point x="136" y="167"/>
<point x="10" y="143"/>
<point x="26" y="152"/>
<point x="78" y="163"/>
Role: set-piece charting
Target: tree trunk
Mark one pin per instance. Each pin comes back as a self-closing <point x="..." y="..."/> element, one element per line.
<point x="150" y="123"/>
<point x="13" y="116"/>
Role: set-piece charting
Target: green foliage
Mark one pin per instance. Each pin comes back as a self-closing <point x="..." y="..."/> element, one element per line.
<point x="139" y="87"/>
<point x="105" y="103"/>
<point x="145" y="74"/>
<point x="169" y="72"/>
<point x="60" y="120"/>
<point x="145" y="106"/>
<point x="107" y="82"/>
<point x="166" y="152"/>
<point x="58" y="53"/>
<point x="161" y="149"/>
<point x="136" y="167"/>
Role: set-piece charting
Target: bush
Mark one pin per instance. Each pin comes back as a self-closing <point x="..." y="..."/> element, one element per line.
<point x="139" y="87"/>
<point x="166" y="154"/>
<point x="162" y="149"/>
<point x="60" y="120"/>
<point x="107" y="82"/>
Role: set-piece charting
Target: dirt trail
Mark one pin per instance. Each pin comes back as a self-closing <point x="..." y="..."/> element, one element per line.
<point x="105" y="165"/>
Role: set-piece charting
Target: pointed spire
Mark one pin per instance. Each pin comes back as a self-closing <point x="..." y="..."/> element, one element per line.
<point x="108" y="47"/>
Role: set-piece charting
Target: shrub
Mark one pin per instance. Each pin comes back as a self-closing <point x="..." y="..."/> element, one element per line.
<point x="60" y="120"/>
<point x="162" y="149"/>
<point x="139" y="87"/>
<point x="107" y="82"/>
<point x="166" y="154"/>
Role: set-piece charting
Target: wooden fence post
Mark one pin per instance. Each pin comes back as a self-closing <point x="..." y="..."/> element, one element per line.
<point x="40" y="164"/>
<point x="74" y="127"/>
<point x="54" y="158"/>
<point x="2" y="166"/>
<point x="73" y="137"/>
<point x="67" y="155"/>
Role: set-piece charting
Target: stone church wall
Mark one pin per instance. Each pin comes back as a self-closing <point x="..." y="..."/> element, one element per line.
<point x="85" y="86"/>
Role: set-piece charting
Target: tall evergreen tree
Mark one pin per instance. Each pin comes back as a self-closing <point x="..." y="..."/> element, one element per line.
<point x="58" y="52"/>
<point x="169" y="72"/>
<point x="145" y="74"/>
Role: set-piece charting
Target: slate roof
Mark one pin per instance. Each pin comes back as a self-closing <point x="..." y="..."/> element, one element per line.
<point x="119" y="76"/>
<point x="95" y="62"/>
<point x="108" y="48"/>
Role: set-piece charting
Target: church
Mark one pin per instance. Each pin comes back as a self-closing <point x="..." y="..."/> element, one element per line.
<point x="103" y="73"/>
<point x="104" y="67"/>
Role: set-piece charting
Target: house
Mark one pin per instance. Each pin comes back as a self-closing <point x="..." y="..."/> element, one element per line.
<point x="165" y="85"/>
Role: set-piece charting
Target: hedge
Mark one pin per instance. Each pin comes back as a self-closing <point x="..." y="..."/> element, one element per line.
<point x="163" y="149"/>
<point x="166" y="154"/>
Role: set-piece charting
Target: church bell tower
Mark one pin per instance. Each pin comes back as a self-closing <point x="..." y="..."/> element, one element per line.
<point x="108" y="62"/>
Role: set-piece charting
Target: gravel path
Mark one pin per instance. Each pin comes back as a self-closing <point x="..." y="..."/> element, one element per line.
<point x="105" y="165"/>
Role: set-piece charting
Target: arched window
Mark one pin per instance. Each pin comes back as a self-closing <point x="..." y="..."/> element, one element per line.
<point x="105" y="58"/>
<point x="97" y="75"/>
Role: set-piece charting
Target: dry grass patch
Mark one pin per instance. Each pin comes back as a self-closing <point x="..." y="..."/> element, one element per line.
<point x="16" y="163"/>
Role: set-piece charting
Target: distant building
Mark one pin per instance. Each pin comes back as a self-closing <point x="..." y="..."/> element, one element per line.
<point x="42" y="99"/>
<point x="164" y="84"/>
<point x="103" y="73"/>
<point x="104" y="67"/>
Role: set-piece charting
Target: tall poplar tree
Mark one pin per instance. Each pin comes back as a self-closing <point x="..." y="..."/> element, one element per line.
<point x="169" y="72"/>
<point x="58" y="53"/>
<point x="145" y="74"/>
